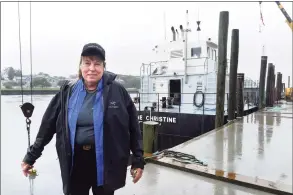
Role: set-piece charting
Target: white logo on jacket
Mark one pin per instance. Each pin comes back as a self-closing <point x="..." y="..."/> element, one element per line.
<point x="113" y="104"/>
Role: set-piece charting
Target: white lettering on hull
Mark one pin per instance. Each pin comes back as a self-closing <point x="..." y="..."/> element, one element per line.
<point x="162" y="119"/>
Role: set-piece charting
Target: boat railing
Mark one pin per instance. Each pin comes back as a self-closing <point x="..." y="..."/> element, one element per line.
<point x="146" y="68"/>
<point x="199" y="102"/>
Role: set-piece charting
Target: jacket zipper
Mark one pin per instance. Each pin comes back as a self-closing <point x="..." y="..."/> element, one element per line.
<point x="64" y="108"/>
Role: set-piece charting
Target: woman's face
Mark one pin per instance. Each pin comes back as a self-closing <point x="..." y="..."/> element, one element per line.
<point x="92" y="69"/>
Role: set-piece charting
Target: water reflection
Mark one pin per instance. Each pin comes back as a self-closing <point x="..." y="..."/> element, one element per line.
<point x="231" y="157"/>
<point x="269" y="127"/>
<point x="219" y="147"/>
<point x="278" y="118"/>
<point x="239" y="137"/>
<point x="260" y="136"/>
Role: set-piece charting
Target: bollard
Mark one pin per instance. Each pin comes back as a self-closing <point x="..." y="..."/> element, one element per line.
<point x="240" y="106"/>
<point x="150" y="137"/>
<point x="164" y="102"/>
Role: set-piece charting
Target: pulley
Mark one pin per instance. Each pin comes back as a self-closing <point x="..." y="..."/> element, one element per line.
<point x="27" y="109"/>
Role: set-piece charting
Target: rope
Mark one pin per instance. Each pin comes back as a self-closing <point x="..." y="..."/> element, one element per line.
<point x="262" y="24"/>
<point x="20" y="61"/>
<point x="178" y="156"/>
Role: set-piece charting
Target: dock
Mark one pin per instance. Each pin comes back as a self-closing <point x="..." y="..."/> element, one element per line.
<point x="252" y="154"/>
<point x="160" y="180"/>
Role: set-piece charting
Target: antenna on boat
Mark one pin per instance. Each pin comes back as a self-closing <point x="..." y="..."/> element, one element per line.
<point x="186" y="40"/>
<point x="165" y="31"/>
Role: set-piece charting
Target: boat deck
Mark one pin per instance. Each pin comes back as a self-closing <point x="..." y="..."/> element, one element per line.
<point x="189" y="109"/>
<point x="255" y="150"/>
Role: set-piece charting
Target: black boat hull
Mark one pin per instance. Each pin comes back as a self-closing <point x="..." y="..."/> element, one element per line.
<point x="176" y="128"/>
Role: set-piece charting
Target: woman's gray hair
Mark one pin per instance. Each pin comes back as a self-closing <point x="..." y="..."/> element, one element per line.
<point x="80" y="61"/>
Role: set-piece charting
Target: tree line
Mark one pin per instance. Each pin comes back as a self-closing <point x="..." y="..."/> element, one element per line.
<point x="129" y="81"/>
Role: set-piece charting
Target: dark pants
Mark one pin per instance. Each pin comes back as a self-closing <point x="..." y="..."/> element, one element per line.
<point x="84" y="173"/>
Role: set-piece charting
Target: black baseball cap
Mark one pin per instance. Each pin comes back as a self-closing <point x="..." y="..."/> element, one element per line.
<point x="93" y="49"/>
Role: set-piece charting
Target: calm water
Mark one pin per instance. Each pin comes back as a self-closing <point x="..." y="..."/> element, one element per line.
<point x="157" y="180"/>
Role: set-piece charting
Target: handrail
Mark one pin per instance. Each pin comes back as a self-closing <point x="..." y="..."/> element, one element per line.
<point x="250" y="97"/>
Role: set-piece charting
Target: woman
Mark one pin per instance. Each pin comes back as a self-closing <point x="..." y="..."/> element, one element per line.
<point x="96" y="126"/>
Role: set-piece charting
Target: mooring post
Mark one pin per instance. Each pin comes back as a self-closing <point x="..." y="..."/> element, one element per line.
<point x="222" y="64"/>
<point x="269" y="85"/>
<point x="240" y="98"/>
<point x="274" y="87"/>
<point x="262" y="77"/>
<point x="150" y="137"/>
<point x="278" y="86"/>
<point x="233" y="73"/>
<point x="288" y="81"/>
<point x="281" y="85"/>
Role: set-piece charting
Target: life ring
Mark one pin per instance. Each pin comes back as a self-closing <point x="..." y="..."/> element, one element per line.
<point x="202" y="101"/>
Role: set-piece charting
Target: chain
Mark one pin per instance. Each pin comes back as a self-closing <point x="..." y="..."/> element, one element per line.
<point x="28" y="127"/>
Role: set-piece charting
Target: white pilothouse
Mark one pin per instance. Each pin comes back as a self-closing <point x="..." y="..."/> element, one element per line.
<point x="184" y="76"/>
<point x="184" y="71"/>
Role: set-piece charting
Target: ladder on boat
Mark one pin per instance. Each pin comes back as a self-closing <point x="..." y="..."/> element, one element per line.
<point x="144" y="76"/>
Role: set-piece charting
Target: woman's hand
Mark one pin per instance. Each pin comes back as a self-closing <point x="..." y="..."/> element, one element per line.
<point x="136" y="174"/>
<point x="26" y="168"/>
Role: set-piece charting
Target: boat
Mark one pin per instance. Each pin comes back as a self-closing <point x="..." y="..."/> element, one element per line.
<point x="178" y="89"/>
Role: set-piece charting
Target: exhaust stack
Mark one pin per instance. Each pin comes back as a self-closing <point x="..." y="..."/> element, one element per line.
<point x="182" y="32"/>
<point x="177" y="35"/>
<point x="173" y="31"/>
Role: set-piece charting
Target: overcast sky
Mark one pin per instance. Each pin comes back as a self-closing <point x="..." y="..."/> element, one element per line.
<point x="129" y="31"/>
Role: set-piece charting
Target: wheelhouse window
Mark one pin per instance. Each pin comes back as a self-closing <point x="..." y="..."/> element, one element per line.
<point x="215" y="55"/>
<point x="196" y="52"/>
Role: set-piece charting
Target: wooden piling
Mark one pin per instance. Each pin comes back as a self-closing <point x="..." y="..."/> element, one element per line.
<point x="240" y="97"/>
<point x="273" y="87"/>
<point x="262" y="77"/>
<point x="222" y="64"/>
<point x="150" y="137"/>
<point x="233" y="73"/>
<point x="279" y="86"/>
<point x="269" y="85"/>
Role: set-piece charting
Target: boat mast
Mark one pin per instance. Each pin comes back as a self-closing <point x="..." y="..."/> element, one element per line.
<point x="186" y="39"/>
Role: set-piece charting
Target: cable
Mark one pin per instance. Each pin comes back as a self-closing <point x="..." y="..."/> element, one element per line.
<point x="19" y="39"/>
<point x="27" y="108"/>
<point x="31" y="84"/>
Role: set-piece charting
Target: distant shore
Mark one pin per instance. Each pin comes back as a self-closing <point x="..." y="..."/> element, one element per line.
<point x="35" y="91"/>
<point x="40" y="91"/>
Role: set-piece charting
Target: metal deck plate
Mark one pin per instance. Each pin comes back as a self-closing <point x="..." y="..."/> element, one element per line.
<point x="257" y="148"/>
<point x="160" y="180"/>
